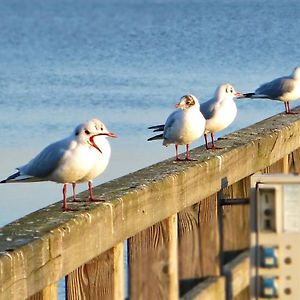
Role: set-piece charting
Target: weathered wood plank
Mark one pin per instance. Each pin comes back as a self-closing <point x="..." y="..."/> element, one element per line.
<point x="236" y="227"/>
<point x="243" y="295"/>
<point x="237" y="273"/>
<point x="294" y="162"/>
<point x="153" y="262"/>
<point x="48" y="293"/>
<point x="101" y="278"/>
<point x="212" y="288"/>
<point x="276" y="167"/>
<point x="199" y="240"/>
<point x="45" y="246"/>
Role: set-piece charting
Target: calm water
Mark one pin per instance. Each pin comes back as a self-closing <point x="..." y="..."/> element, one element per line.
<point x="127" y="63"/>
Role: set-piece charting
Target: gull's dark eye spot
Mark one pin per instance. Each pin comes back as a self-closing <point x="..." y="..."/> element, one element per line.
<point x="226" y="90"/>
<point x="101" y="128"/>
<point x="189" y="101"/>
<point x="86" y="132"/>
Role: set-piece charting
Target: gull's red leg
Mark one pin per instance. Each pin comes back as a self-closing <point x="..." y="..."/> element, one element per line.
<point x="212" y="141"/>
<point x="187" y="156"/>
<point x="65" y="197"/>
<point x="286" y="108"/>
<point x="206" y="143"/>
<point x="176" y="150"/>
<point x="74" y="191"/>
<point x="91" y="195"/>
<point x="289" y="111"/>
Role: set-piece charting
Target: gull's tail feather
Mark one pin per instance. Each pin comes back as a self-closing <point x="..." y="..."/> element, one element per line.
<point x="17" y="177"/>
<point x="156" y="137"/>
<point x="157" y="127"/>
<point x="253" y="95"/>
<point x="11" y="177"/>
<point x="247" y="95"/>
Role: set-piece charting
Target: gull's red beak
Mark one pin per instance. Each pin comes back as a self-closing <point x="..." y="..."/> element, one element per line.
<point x="92" y="142"/>
<point x="180" y="104"/>
<point x="111" y="134"/>
<point x="238" y="94"/>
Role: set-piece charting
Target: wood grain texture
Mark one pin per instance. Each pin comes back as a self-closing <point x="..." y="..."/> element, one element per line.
<point x="48" y="293"/>
<point x="236" y="227"/>
<point x="294" y="162"/>
<point x="199" y="240"/>
<point x="101" y="278"/>
<point x="153" y="262"/>
<point x="43" y="247"/>
<point x="212" y="288"/>
<point x="277" y="167"/>
<point x="237" y="274"/>
<point x="243" y="295"/>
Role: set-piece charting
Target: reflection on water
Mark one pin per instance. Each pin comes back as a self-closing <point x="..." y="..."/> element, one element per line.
<point x="63" y="62"/>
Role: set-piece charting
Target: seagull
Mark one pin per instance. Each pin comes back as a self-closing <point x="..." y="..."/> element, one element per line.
<point x="80" y="157"/>
<point x="284" y="89"/>
<point x="219" y="111"/>
<point x="183" y="126"/>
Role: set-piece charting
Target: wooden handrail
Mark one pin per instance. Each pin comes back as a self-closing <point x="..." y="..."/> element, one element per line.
<point x="43" y="247"/>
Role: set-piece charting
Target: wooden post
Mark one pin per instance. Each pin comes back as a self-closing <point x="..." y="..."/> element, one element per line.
<point x="101" y="278"/>
<point x="198" y="242"/>
<point x="237" y="273"/>
<point x="212" y="288"/>
<point x="153" y="262"/>
<point x="236" y="228"/>
<point x="48" y="293"/>
<point x="277" y="167"/>
<point x="294" y="161"/>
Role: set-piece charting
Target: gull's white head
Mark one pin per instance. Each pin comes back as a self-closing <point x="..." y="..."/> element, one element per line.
<point x="188" y="101"/>
<point x="87" y="132"/>
<point x="226" y="90"/>
<point x="296" y="73"/>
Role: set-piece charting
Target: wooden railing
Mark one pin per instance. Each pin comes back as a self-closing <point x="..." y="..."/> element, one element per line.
<point x="170" y="216"/>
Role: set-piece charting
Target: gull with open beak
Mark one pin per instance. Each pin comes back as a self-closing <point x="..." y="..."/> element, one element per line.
<point x="183" y="126"/>
<point x="219" y="111"/>
<point x="80" y="157"/>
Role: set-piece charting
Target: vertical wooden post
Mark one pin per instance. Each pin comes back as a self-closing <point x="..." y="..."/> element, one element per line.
<point x="285" y="162"/>
<point x="101" y="278"/>
<point x="294" y="161"/>
<point x="277" y="167"/>
<point x="198" y="242"/>
<point x="153" y="262"/>
<point x="236" y="219"/>
<point x="236" y="225"/>
<point x="48" y="293"/>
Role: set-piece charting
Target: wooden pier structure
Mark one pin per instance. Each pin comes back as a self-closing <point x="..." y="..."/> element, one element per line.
<point x="170" y="221"/>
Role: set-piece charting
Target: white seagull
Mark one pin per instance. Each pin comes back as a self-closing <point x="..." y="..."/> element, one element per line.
<point x="183" y="126"/>
<point x="219" y="111"/>
<point x="80" y="157"/>
<point x="284" y="89"/>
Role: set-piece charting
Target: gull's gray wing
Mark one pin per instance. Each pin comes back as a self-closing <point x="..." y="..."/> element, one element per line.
<point x="172" y="119"/>
<point x="169" y="123"/>
<point x="46" y="161"/>
<point x="208" y="108"/>
<point x="276" y="88"/>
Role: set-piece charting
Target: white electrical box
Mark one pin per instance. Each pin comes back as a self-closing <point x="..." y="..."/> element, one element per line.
<point x="275" y="236"/>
